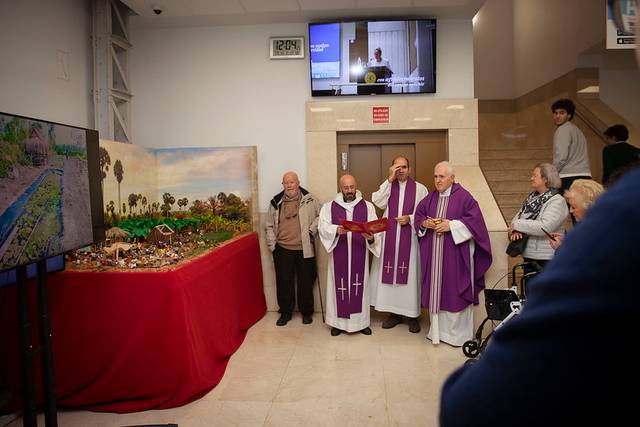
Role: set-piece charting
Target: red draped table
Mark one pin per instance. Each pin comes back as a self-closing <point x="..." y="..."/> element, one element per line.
<point x="132" y="341"/>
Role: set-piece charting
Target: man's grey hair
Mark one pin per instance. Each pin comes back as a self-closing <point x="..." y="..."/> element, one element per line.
<point x="549" y="173"/>
<point x="292" y="174"/>
<point x="450" y="169"/>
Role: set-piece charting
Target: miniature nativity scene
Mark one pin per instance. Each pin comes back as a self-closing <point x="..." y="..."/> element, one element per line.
<point x="211" y="188"/>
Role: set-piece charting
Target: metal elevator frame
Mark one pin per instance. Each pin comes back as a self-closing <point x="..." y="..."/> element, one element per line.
<point x="111" y="90"/>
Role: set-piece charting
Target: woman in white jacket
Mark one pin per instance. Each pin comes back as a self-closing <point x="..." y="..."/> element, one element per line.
<point x="545" y="209"/>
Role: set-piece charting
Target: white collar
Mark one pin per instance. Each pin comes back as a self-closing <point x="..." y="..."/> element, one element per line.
<point x="348" y="205"/>
<point x="447" y="192"/>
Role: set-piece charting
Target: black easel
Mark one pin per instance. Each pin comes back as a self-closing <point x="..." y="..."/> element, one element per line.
<point x="27" y="352"/>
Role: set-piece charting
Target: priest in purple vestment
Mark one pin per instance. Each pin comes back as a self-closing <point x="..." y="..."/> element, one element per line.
<point x="348" y="265"/>
<point x="455" y="253"/>
<point x="395" y="275"/>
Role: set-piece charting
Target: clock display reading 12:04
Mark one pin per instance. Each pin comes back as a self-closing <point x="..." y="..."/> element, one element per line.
<point x="287" y="47"/>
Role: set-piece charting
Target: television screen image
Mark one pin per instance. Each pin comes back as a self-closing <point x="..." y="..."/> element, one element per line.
<point x="372" y="57"/>
<point x="45" y="197"/>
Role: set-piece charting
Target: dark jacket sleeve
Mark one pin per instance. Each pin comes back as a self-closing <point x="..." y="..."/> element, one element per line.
<point x="607" y="164"/>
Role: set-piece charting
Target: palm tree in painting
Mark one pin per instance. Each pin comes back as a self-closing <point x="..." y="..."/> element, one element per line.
<point x="111" y="208"/>
<point x="105" y="162"/>
<point x="168" y="200"/>
<point x="144" y="202"/>
<point x="118" y="171"/>
<point x="183" y="202"/>
<point x="212" y="204"/>
<point x="133" y="202"/>
<point x="221" y="202"/>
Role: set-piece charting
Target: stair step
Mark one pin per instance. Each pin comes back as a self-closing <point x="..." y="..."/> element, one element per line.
<point x="506" y="174"/>
<point x="510" y="199"/>
<point x="510" y="211"/>
<point x="516" y="140"/>
<point x="509" y="164"/>
<point x="516" y="153"/>
<point x="510" y="186"/>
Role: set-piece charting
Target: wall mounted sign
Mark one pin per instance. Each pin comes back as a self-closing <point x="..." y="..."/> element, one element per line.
<point x="380" y="114"/>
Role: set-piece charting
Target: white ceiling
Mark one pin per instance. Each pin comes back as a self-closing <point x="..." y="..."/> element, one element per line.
<point x="185" y="13"/>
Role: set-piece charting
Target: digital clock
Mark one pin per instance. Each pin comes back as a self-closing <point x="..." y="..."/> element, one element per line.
<point x="286" y="47"/>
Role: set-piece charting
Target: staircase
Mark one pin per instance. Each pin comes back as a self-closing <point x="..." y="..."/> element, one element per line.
<point x="508" y="172"/>
<point x="515" y="135"/>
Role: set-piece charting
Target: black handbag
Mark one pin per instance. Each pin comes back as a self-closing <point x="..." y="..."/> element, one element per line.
<point x="516" y="247"/>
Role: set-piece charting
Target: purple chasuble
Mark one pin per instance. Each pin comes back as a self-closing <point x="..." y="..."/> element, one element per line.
<point x="404" y="248"/>
<point x="454" y="271"/>
<point x="349" y="289"/>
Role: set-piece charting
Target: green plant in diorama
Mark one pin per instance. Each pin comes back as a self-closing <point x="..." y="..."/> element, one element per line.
<point x="140" y="227"/>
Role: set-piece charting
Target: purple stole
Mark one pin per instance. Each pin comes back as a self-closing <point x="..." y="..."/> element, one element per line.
<point x="351" y="302"/>
<point x="404" y="247"/>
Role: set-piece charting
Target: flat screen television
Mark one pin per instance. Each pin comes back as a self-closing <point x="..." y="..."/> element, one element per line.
<point x="373" y="57"/>
<point x="50" y="195"/>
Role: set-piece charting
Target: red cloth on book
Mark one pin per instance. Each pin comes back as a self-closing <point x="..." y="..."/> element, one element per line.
<point x="371" y="227"/>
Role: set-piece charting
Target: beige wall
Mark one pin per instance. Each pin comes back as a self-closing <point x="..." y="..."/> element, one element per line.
<point x="32" y="33"/>
<point x="549" y="35"/>
<point x="620" y="84"/>
<point x="520" y="45"/>
<point x="493" y="51"/>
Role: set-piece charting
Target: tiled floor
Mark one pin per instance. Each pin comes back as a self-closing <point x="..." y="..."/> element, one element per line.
<point x="299" y="375"/>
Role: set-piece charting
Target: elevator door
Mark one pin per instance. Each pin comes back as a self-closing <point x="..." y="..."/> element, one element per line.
<point x="368" y="156"/>
<point x="370" y="164"/>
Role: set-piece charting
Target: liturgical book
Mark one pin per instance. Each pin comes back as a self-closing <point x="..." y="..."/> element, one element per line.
<point x="370" y="227"/>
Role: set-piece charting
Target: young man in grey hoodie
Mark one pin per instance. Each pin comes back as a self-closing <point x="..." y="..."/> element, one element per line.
<point x="570" y="154"/>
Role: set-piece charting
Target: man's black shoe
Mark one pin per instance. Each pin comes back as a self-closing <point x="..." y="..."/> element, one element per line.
<point x="366" y="331"/>
<point x="307" y="319"/>
<point x="391" y="321"/>
<point x="335" y="332"/>
<point x="414" y="325"/>
<point x="284" y="319"/>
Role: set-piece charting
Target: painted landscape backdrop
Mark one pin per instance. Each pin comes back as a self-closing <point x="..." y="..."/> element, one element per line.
<point x="44" y="190"/>
<point x="204" y="187"/>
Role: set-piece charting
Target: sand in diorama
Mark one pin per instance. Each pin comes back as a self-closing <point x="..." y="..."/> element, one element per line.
<point x="170" y="204"/>
<point x="44" y="190"/>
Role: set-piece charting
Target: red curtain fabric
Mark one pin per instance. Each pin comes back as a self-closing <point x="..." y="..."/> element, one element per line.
<point x="132" y="341"/>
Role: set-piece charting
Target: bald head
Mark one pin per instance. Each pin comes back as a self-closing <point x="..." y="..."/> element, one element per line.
<point x="290" y="183"/>
<point x="348" y="187"/>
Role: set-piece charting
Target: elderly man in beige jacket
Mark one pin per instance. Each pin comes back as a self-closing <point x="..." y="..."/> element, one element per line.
<point x="291" y="227"/>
